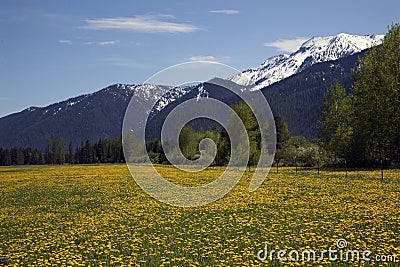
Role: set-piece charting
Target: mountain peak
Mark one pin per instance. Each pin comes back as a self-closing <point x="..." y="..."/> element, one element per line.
<point x="315" y="50"/>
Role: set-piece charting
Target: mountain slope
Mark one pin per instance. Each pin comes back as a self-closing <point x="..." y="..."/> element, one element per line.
<point x="215" y="88"/>
<point x="86" y="117"/>
<point x="315" y="50"/>
<point x="297" y="98"/>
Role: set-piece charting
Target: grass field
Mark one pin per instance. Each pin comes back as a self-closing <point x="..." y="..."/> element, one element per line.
<point x="98" y="216"/>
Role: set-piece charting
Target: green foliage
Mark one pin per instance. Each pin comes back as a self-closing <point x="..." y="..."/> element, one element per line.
<point x="155" y="151"/>
<point x="365" y="127"/>
<point x="335" y="128"/>
<point x="282" y="132"/>
<point x="134" y="149"/>
<point x="55" y="151"/>
<point x="298" y="99"/>
<point x="253" y="132"/>
<point x="189" y="142"/>
<point x="189" y="139"/>
<point x="376" y="103"/>
<point x="103" y="151"/>
<point x="223" y="149"/>
<point x="298" y="151"/>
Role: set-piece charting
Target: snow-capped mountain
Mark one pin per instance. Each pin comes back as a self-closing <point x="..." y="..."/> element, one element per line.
<point x="122" y="92"/>
<point x="86" y="117"/>
<point x="315" y="50"/>
<point x="100" y="115"/>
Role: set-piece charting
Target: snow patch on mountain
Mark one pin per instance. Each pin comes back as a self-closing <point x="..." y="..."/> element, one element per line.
<point x="315" y="50"/>
<point x="164" y="95"/>
<point x="202" y="93"/>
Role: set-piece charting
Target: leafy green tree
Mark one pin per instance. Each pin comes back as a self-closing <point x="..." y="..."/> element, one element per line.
<point x="288" y="154"/>
<point x="189" y="141"/>
<point x="376" y="102"/>
<point x="298" y="151"/>
<point x="134" y="149"/>
<point x="253" y="132"/>
<point x="155" y="151"/>
<point x="334" y="127"/>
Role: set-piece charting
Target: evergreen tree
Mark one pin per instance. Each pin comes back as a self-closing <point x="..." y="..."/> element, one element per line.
<point x="87" y="153"/>
<point x="71" y="157"/>
<point x="60" y="151"/>
<point x="28" y="156"/>
<point x="53" y="151"/>
<point x="282" y="132"/>
<point x="7" y="157"/>
<point x="47" y="155"/>
<point x="223" y="149"/>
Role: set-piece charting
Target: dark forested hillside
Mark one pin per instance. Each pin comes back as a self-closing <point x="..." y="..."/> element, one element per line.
<point x="213" y="89"/>
<point x="88" y="117"/>
<point x="297" y="99"/>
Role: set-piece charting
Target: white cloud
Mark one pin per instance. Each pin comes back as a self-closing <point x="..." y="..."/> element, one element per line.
<point x="288" y="45"/>
<point x="226" y="11"/>
<point x="64" y="41"/>
<point x="203" y="58"/>
<point x="103" y="43"/>
<point x="143" y="23"/>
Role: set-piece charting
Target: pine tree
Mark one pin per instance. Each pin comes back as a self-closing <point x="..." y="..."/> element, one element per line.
<point x="71" y="158"/>
<point x="282" y="132"/>
<point x="1" y="157"/>
<point x="60" y="151"/>
<point x="223" y="149"/>
<point x="87" y="153"/>
<point x="7" y="157"/>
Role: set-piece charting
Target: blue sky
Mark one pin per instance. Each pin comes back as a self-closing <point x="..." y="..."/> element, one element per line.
<point x="52" y="50"/>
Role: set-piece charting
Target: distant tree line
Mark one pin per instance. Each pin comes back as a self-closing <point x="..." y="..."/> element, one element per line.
<point x="57" y="152"/>
<point x="290" y="151"/>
